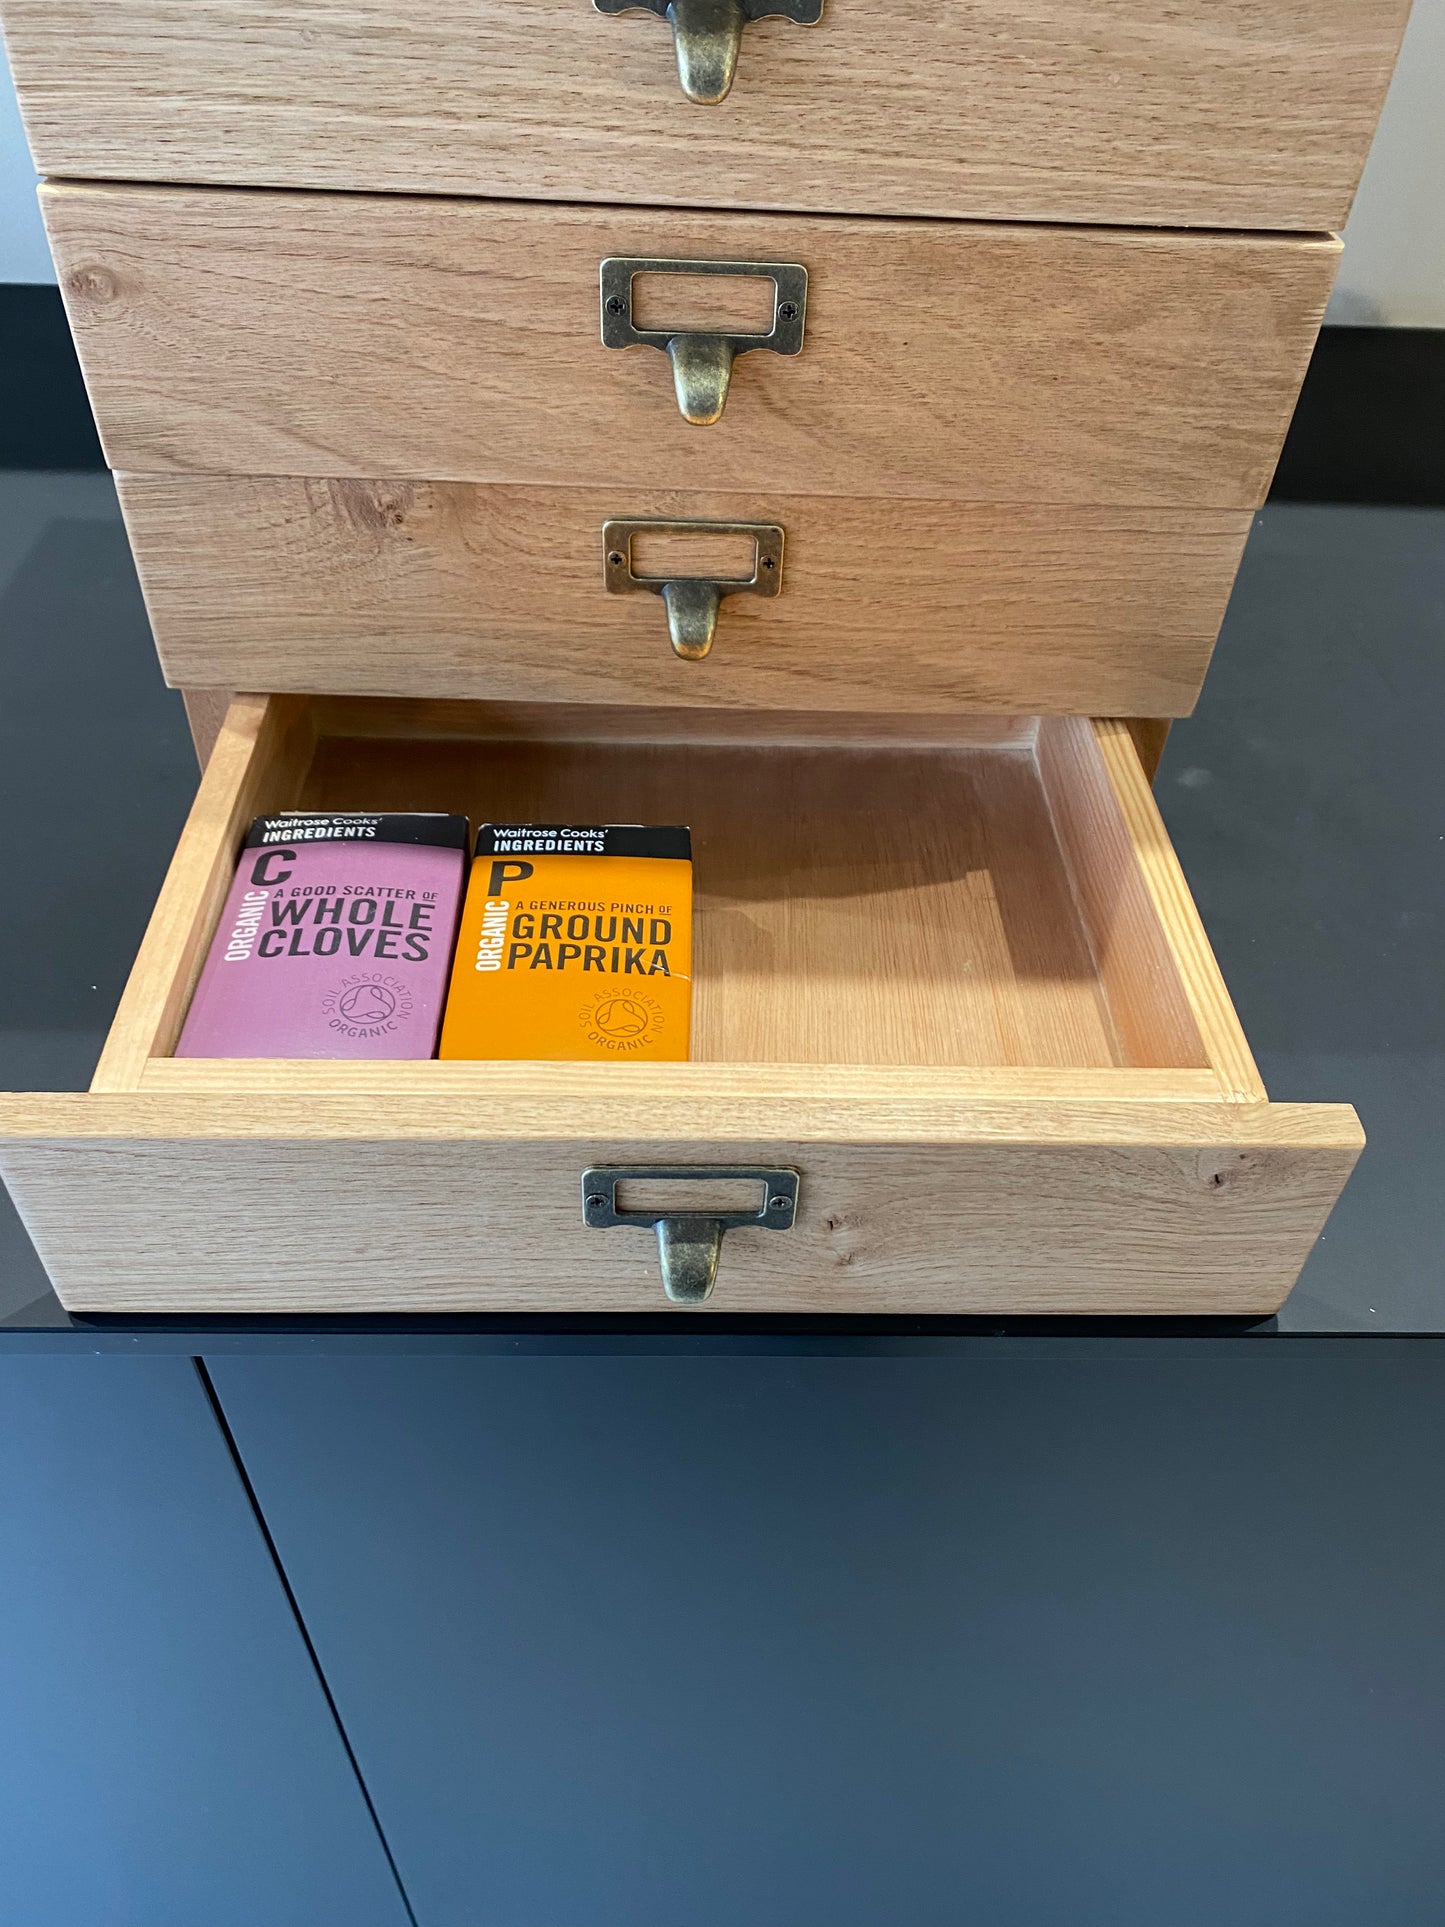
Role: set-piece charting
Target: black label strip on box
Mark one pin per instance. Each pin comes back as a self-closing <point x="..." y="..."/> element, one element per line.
<point x="358" y="826"/>
<point x="583" y="839"/>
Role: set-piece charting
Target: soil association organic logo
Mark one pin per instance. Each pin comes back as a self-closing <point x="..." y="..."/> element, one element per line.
<point x="367" y="1006"/>
<point x="621" y="1022"/>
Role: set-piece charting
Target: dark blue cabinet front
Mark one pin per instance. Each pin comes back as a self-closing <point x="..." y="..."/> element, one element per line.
<point x="167" y="1755"/>
<point x="746" y="1641"/>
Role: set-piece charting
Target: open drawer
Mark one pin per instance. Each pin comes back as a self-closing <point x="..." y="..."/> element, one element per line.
<point x="948" y="973"/>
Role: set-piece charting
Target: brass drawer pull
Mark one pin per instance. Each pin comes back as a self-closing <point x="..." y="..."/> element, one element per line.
<point x="708" y="34"/>
<point x="702" y="363"/>
<point x="692" y="600"/>
<point x="689" y="1243"/>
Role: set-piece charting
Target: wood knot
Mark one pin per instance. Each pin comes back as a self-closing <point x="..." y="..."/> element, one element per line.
<point x="95" y="286"/>
<point x="835" y="1223"/>
<point x="374" y="507"/>
<point x="1219" y="1177"/>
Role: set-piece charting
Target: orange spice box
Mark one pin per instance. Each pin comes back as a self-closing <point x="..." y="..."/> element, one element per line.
<point x="575" y="942"/>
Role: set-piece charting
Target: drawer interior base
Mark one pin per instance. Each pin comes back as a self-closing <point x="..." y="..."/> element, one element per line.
<point x="984" y="893"/>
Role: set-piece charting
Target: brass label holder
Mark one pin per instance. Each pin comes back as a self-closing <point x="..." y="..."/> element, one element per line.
<point x="708" y="35"/>
<point x="702" y="362"/>
<point x="692" y="602"/>
<point x="689" y="1243"/>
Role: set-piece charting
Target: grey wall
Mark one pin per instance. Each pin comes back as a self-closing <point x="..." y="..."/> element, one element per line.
<point x="1394" y="265"/>
<point x="1394" y="270"/>
<point x="23" y="253"/>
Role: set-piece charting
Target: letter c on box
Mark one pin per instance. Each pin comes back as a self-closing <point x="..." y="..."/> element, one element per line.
<point x="260" y="873"/>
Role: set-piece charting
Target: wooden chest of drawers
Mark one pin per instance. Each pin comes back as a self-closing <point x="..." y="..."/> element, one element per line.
<point x="935" y="373"/>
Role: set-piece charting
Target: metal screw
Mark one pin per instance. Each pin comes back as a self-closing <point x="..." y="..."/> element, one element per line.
<point x="780" y="1204"/>
<point x="768" y="562"/>
<point x="595" y="1200"/>
<point x="615" y="559"/>
<point x="616" y="305"/>
<point x="787" y="311"/>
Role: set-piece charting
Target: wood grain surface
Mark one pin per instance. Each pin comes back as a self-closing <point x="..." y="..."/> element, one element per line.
<point x="1133" y="940"/>
<point x="1244" y="113"/>
<point x="259" y="759"/>
<point x="728" y="1084"/>
<point x="400" y="717"/>
<point x="496" y="593"/>
<point x="1131" y="807"/>
<point x="853" y="904"/>
<point x="205" y="713"/>
<point x="434" y="340"/>
<point x="1150" y="734"/>
<point x="332" y="1204"/>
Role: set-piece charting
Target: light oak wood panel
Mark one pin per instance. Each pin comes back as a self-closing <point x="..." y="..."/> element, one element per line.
<point x="1244" y="113"/>
<point x="1130" y="808"/>
<point x="456" y="590"/>
<point x="1150" y="734"/>
<point x="526" y="1084"/>
<point x="598" y="723"/>
<point x="1006" y="899"/>
<point x="261" y="755"/>
<point x="1143" y="928"/>
<point x="1153" y="963"/>
<point x="323" y="1203"/>
<point x="851" y="905"/>
<point x="205" y="713"/>
<point x="326" y="335"/>
<point x="494" y="722"/>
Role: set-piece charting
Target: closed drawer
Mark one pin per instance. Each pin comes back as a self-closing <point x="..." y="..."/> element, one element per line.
<point x="1254" y="115"/>
<point x="325" y="335"/>
<point x="450" y="589"/>
<point x="951" y="978"/>
<point x="370" y="444"/>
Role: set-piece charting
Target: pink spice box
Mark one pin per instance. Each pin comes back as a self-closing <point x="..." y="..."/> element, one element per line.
<point x="335" y="941"/>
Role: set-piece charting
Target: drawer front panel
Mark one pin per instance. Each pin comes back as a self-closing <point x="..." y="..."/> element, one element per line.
<point x="1253" y="115"/>
<point x="274" y="334"/>
<point x="444" y="589"/>
<point x="153" y="1204"/>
